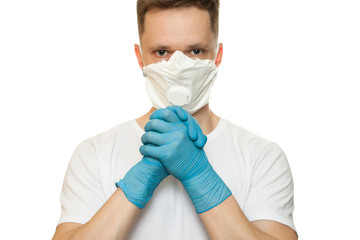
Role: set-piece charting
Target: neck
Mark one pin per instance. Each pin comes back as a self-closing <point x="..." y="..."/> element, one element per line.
<point x="205" y="117"/>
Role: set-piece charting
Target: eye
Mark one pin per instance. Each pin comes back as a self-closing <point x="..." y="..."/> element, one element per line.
<point x="161" y="53"/>
<point x="196" y="51"/>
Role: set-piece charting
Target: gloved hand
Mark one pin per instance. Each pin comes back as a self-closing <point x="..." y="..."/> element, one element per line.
<point x="141" y="180"/>
<point x="169" y="142"/>
<point x="176" y="114"/>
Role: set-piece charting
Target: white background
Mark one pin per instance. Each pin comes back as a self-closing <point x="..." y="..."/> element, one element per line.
<point x="290" y="73"/>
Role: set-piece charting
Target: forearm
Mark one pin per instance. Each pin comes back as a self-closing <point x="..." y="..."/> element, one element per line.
<point x="227" y="221"/>
<point x="113" y="221"/>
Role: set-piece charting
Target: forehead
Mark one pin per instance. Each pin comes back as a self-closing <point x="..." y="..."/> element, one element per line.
<point x="188" y="25"/>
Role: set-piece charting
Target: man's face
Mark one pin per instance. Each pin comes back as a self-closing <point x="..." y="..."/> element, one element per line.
<point x="183" y="29"/>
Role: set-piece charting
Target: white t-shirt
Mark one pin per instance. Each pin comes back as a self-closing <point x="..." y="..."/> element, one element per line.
<point x="256" y="171"/>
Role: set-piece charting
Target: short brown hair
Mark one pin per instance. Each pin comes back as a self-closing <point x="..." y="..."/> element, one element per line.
<point x="212" y="6"/>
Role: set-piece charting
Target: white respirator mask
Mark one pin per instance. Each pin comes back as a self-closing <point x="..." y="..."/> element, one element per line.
<point x="181" y="81"/>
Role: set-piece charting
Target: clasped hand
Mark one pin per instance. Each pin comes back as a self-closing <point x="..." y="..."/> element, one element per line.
<point x="173" y="144"/>
<point x="174" y="137"/>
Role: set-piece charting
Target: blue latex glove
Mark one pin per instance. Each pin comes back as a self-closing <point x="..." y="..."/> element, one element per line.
<point x="169" y="142"/>
<point x="176" y="114"/>
<point x="141" y="180"/>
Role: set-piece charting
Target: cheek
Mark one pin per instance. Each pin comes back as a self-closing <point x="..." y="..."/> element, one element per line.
<point x="209" y="55"/>
<point x="146" y="60"/>
<point x="152" y="58"/>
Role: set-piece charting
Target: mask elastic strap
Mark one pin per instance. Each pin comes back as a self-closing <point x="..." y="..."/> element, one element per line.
<point x="217" y="50"/>
<point x="142" y="69"/>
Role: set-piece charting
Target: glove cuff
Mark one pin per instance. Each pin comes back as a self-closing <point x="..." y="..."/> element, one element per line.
<point x="141" y="180"/>
<point x="139" y="202"/>
<point x="207" y="191"/>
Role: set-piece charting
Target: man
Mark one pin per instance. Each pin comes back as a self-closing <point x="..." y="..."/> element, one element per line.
<point x="192" y="179"/>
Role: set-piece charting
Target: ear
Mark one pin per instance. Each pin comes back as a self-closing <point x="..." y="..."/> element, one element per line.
<point x="219" y="55"/>
<point x="138" y="55"/>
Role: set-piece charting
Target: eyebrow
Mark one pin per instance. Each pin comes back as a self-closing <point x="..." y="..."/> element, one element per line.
<point x="192" y="46"/>
<point x="162" y="47"/>
<point x="198" y="45"/>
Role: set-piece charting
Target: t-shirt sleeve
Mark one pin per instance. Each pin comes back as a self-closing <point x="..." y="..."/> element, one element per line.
<point x="271" y="190"/>
<point x="82" y="194"/>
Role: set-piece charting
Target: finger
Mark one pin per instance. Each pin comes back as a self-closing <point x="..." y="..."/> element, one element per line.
<point x="160" y="126"/>
<point x="166" y="115"/>
<point x="181" y="113"/>
<point x="192" y="125"/>
<point x="201" y="141"/>
<point x="150" y="151"/>
<point x="192" y="128"/>
<point x="154" y="138"/>
<point x="187" y="119"/>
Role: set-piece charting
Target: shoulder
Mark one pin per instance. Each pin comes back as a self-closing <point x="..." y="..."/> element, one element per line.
<point x="122" y="130"/>
<point x="105" y="143"/>
<point x="254" y="147"/>
<point x="245" y="136"/>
